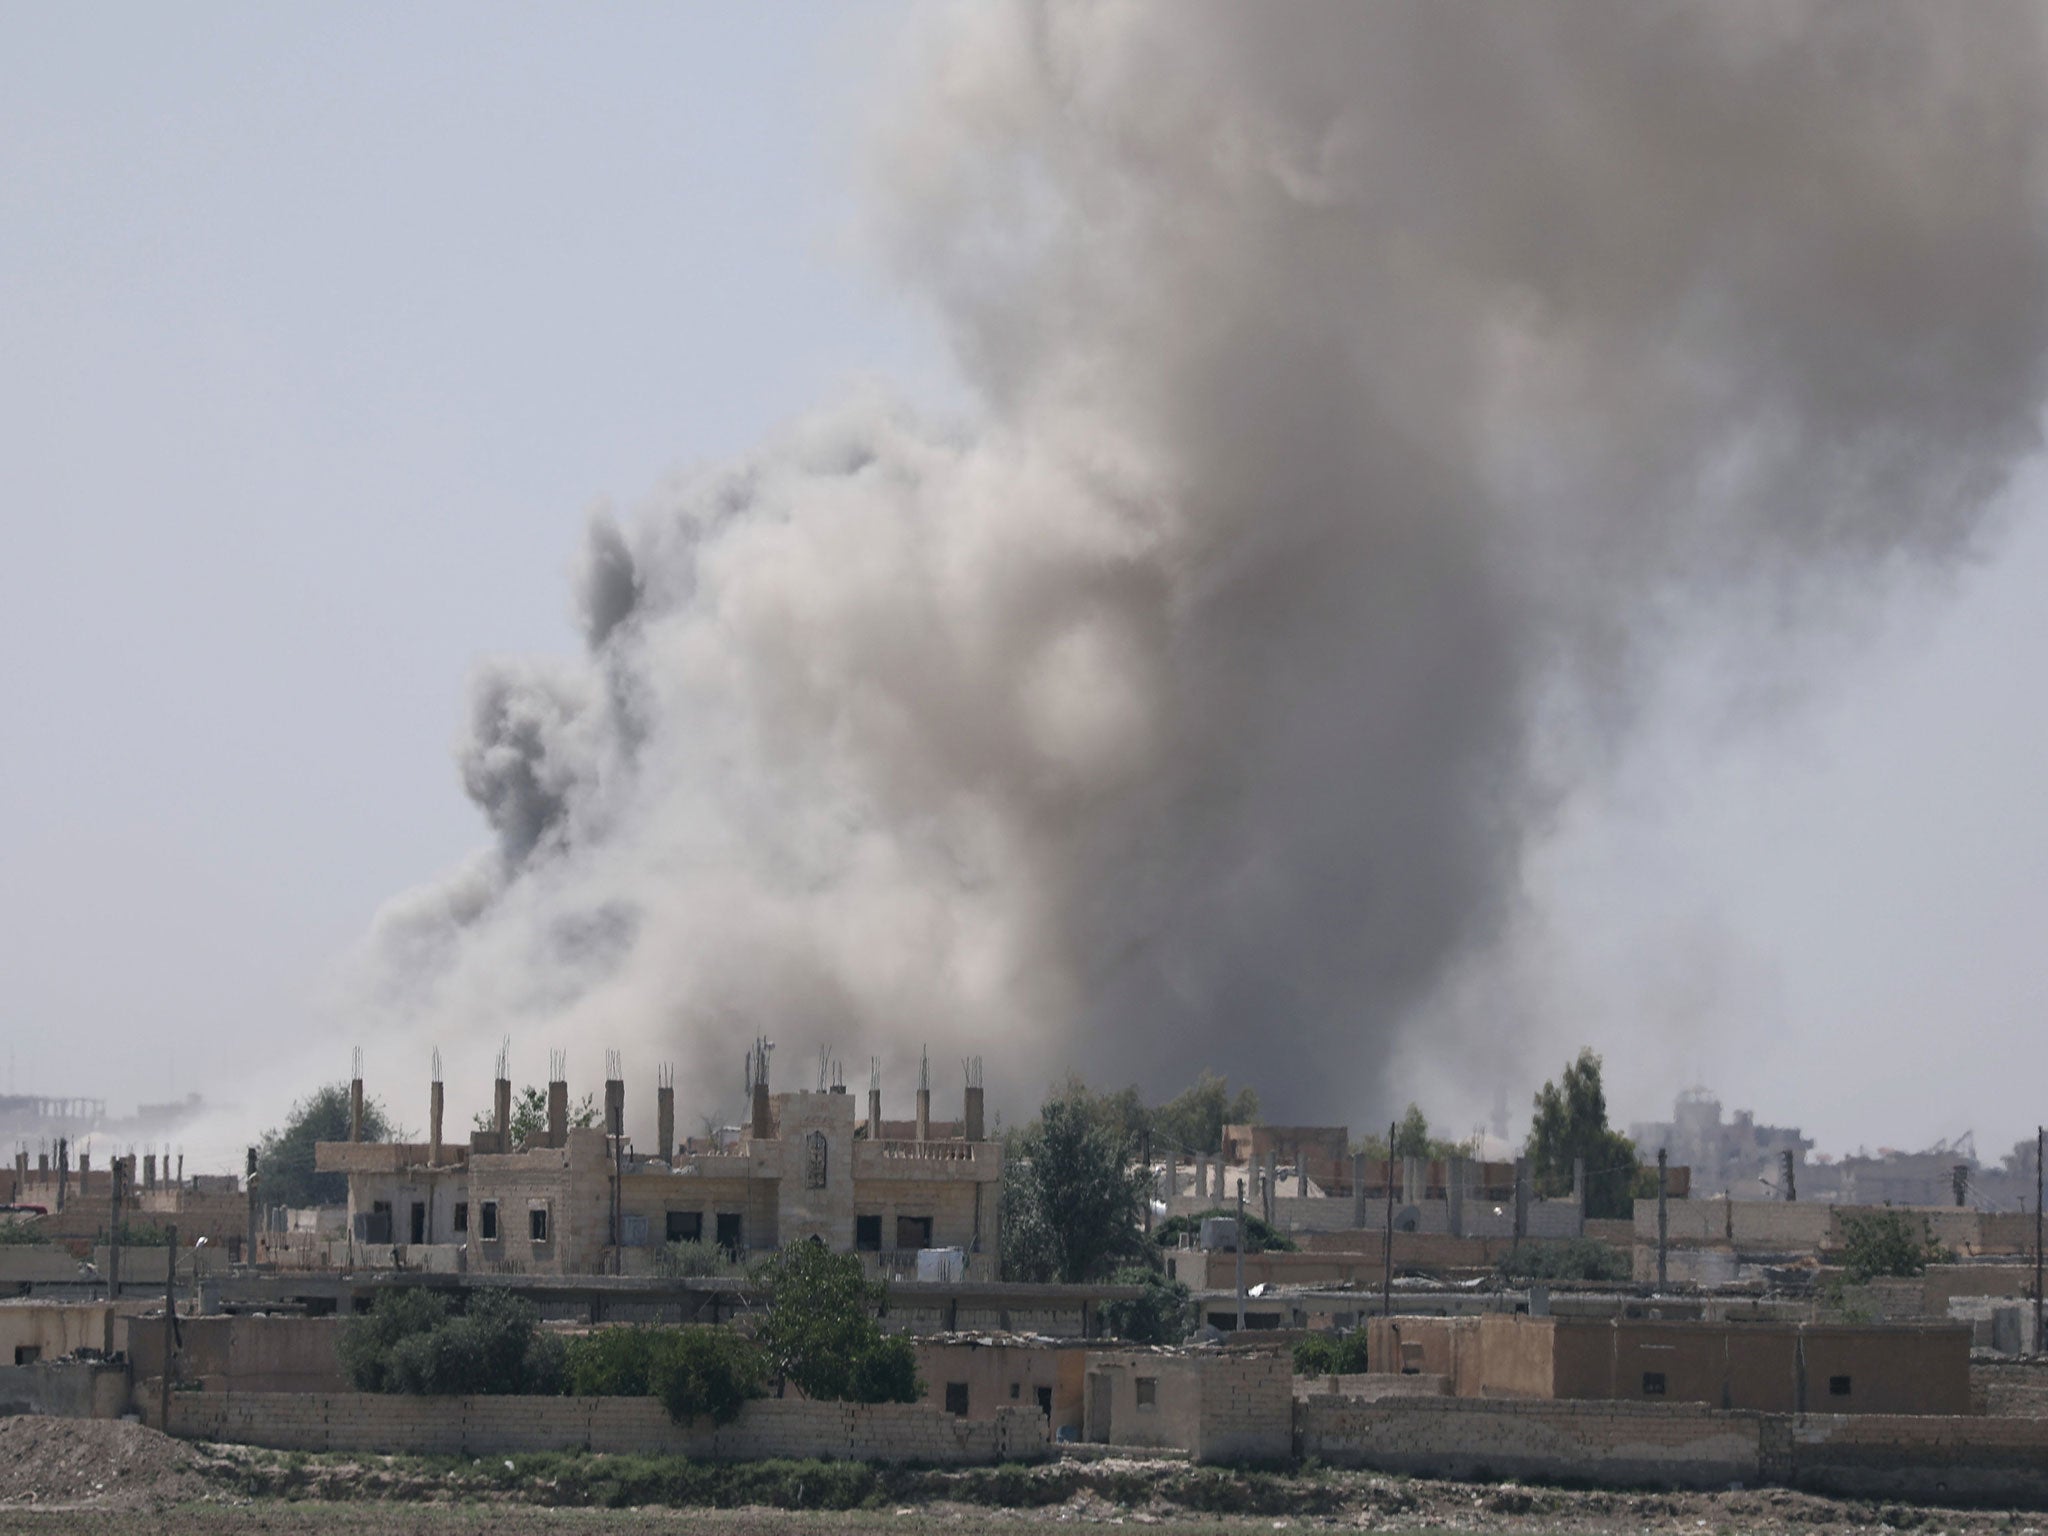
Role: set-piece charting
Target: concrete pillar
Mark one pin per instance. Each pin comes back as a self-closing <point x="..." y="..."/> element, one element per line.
<point x="1455" y="1195"/>
<point x="614" y="1109"/>
<point x="42" y="1163"/>
<point x="181" y="1170"/>
<point x="971" y="1116"/>
<point x="1219" y="1191"/>
<point x="761" y="1128"/>
<point x="924" y="1114"/>
<point x="558" y="1111"/>
<point x="1579" y="1186"/>
<point x="1411" y="1181"/>
<point x="501" y="1096"/>
<point x="1358" y="1190"/>
<point x="665" y="1121"/>
<point x="874" y="1114"/>
<point x="434" y="1149"/>
<point x="1201" y="1178"/>
<point x="1521" y="1197"/>
<point x="149" y="1170"/>
<point x="1172" y="1180"/>
<point x="1272" y="1182"/>
<point x="355" y="1109"/>
<point x="1301" y="1171"/>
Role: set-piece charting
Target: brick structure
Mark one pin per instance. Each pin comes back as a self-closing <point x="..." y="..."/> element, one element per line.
<point x="1216" y="1406"/>
<point x="494" y="1426"/>
<point x="1768" y="1366"/>
<point x="587" y="1203"/>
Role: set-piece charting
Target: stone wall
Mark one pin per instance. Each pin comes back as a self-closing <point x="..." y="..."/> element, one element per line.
<point x="1604" y="1442"/>
<point x="71" y="1389"/>
<point x="479" y="1426"/>
<point x="1961" y="1460"/>
<point x="1949" y="1460"/>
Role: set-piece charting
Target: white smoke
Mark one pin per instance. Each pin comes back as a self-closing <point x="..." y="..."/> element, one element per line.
<point x="1362" y="390"/>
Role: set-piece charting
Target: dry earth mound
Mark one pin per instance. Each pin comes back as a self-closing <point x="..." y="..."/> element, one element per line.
<point x="98" y="1462"/>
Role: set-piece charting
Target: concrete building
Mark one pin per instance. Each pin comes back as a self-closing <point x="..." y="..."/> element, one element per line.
<point x="587" y="1201"/>
<point x="1735" y="1156"/>
<point x="974" y="1375"/>
<point x="1213" y="1404"/>
<point x="1770" y="1367"/>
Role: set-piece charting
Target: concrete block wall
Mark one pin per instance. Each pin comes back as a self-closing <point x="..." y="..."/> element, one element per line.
<point x="1959" y="1459"/>
<point x="477" y="1426"/>
<point x="1994" y="1461"/>
<point x="1246" y="1409"/>
<point x="1455" y="1437"/>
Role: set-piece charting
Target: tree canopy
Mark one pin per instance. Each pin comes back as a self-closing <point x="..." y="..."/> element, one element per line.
<point x="1194" y="1121"/>
<point x="1073" y="1198"/>
<point x="412" y="1341"/>
<point x="1571" y="1123"/>
<point x="1887" y="1243"/>
<point x="530" y="1114"/>
<point x="284" y="1157"/>
<point x="820" y="1331"/>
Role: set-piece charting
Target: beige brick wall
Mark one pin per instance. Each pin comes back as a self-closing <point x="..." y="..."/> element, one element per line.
<point x="1453" y="1437"/>
<point x="476" y="1426"/>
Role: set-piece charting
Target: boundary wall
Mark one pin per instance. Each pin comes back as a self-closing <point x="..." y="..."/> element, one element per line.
<point x="1943" y="1460"/>
<point x="476" y="1426"/>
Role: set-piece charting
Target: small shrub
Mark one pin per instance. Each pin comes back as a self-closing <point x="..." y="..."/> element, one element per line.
<point x="1160" y="1316"/>
<point x="1324" y="1354"/>
<point x="691" y="1261"/>
<point x="711" y="1372"/>
<point x="1577" y="1258"/>
<point x="1258" y="1236"/>
<point x="15" y="1233"/>
<point x="411" y="1341"/>
<point x="886" y="1373"/>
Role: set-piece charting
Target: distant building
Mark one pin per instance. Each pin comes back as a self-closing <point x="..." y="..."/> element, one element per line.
<point x="1735" y="1156"/>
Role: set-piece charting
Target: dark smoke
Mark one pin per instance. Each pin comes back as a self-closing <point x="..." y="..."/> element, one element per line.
<point x="1364" y="391"/>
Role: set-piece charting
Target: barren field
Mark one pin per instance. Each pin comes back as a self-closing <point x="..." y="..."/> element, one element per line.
<point x="91" y="1478"/>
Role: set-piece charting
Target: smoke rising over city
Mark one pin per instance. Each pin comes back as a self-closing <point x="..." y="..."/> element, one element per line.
<point x="1361" y="397"/>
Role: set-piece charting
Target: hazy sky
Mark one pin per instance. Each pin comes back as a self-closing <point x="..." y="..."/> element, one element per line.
<point x="320" y="333"/>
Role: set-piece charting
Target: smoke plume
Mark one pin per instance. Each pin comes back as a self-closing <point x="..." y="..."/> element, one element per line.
<point x="1363" y="392"/>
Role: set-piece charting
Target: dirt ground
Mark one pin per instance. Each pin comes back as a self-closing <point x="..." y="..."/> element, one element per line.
<point x="64" y="1477"/>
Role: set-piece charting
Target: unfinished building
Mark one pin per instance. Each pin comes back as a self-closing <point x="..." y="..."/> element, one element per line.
<point x="586" y="1201"/>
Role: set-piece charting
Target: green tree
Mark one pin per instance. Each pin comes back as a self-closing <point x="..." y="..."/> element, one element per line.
<point x="530" y="1115"/>
<point x="411" y="1340"/>
<point x="1411" y="1137"/>
<point x="284" y="1157"/>
<point x="1571" y="1123"/>
<point x="1194" y="1121"/>
<point x="1073" y="1199"/>
<point x="1577" y="1258"/>
<point x="1887" y="1243"/>
<point x="694" y="1371"/>
<point x="1326" y="1354"/>
<point x="820" y="1330"/>
<point x="1159" y="1316"/>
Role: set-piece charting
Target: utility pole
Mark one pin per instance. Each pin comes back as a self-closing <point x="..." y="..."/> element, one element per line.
<point x="1387" y="1275"/>
<point x="170" y="1325"/>
<point x="2038" y="1342"/>
<point x="1240" y="1258"/>
<point x="1150" y="1185"/>
<point x="1663" y="1228"/>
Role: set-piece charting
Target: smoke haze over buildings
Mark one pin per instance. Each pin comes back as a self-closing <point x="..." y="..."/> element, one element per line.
<point x="1362" y="394"/>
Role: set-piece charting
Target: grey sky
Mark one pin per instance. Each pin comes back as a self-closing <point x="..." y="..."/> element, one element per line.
<point x="320" y="332"/>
